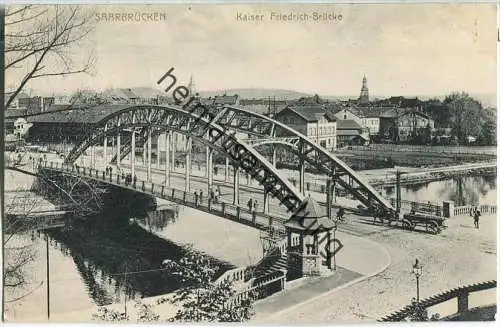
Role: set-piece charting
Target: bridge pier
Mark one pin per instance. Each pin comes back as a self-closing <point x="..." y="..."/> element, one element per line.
<point x="210" y="168"/>
<point x="187" y="165"/>
<point x="118" y="145"/>
<point x="236" y="185"/>
<point x="226" y="170"/>
<point x="92" y="156"/>
<point x="149" y="156"/>
<point x="167" y="158"/>
<point x="132" y="151"/>
<point x="105" y="150"/>
<point x="266" y="202"/>
<point x="158" y="152"/>
<point x="174" y="145"/>
<point x="207" y="160"/>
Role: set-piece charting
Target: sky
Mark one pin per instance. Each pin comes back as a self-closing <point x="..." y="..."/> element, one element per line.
<point x="424" y="49"/>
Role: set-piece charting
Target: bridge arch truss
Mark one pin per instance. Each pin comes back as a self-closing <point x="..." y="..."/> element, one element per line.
<point x="153" y="120"/>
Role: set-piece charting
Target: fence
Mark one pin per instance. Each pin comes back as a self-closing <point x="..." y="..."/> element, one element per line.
<point x="488" y="150"/>
<point x="484" y="209"/>
<point x="259" y="220"/>
<point x="461" y="293"/>
<point x="263" y="287"/>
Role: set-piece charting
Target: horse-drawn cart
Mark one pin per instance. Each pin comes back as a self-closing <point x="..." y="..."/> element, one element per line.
<point x="410" y="221"/>
<point x="431" y="223"/>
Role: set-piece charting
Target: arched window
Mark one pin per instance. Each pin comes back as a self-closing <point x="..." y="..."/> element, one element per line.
<point x="345" y="116"/>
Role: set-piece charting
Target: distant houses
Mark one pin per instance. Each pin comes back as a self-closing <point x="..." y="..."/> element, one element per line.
<point x="329" y="124"/>
<point x="312" y="120"/>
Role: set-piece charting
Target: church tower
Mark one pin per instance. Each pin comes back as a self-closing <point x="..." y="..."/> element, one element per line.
<point x="364" y="97"/>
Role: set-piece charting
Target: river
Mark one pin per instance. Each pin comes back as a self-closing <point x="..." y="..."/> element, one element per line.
<point x="105" y="258"/>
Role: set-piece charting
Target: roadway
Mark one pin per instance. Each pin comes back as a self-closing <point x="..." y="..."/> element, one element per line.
<point x="354" y="225"/>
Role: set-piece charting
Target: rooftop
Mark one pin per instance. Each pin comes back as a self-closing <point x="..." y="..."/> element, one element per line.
<point x="226" y="99"/>
<point x="311" y="113"/>
<point x="81" y="115"/>
<point x="309" y="217"/>
<point x="343" y="124"/>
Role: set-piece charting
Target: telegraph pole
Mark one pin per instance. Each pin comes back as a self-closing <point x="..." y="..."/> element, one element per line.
<point x="48" y="274"/>
<point x="126" y="271"/>
<point x="398" y="191"/>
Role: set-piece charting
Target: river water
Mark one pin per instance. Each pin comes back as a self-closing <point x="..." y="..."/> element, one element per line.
<point x="103" y="259"/>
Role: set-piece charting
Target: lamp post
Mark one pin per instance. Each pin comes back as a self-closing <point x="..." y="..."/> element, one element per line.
<point x="417" y="271"/>
<point x="334" y="250"/>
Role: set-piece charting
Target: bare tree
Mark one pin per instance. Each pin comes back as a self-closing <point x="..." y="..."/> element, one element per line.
<point x="39" y="40"/>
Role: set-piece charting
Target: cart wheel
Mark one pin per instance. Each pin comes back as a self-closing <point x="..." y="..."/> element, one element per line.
<point x="434" y="228"/>
<point x="407" y="224"/>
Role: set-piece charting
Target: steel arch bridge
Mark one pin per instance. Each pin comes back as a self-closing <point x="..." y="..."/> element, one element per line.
<point x="217" y="128"/>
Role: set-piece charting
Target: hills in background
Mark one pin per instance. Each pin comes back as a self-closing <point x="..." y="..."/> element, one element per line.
<point x="486" y="99"/>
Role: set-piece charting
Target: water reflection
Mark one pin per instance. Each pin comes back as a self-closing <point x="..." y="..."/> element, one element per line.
<point x="463" y="191"/>
<point x="116" y="259"/>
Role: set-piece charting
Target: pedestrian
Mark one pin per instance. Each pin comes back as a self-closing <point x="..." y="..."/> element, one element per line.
<point x="201" y="196"/>
<point x="216" y="196"/>
<point x="196" y="198"/>
<point x="135" y="179"/>
<point x="110" y="170"/>
<point x="477" y="213"/>
<point x="340" y="214"/>
<point x="255" y="205"/>
<point x="212" y="195"/>
<point x="176" y="212"/>
<point x="250" y="203"/>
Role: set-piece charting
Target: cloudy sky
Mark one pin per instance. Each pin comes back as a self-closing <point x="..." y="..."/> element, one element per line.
<point x="402" y="49"/>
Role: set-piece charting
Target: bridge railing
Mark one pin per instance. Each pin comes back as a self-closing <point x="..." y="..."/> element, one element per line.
<point x="483" y="208"/>
<point x="461" y="294"/>
<point x="257" y="219"/>
<point x="262" y="288"/>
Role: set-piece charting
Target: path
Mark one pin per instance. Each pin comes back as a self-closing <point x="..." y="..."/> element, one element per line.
<point x="359" y="259"/>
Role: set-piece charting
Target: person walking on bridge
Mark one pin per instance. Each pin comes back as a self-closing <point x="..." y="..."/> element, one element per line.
<point x="196" y="198"/>
<point x="477" y="214"/>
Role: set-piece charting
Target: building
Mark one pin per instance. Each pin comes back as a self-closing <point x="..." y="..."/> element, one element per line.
<point x="349" y="132"/>
<point x="367" y="117"/>
<point x="313" y="121"/>
<point x="364" y="95"/>
<point x="11" y="116"/>
<point x="226" y="100"/>
<point x="21" y="101"/>
<point x="268" y="107"/>
<point x="47" y="102"/>
<point x="406" y="125"/>
<point x="72" y="126"/>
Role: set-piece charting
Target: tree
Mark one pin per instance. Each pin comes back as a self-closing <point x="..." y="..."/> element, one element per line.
<point x="88" y="98"/>
<point x="488" y="133"/>
<point x="465" y="116"/>
<point x="419" y="313"/>
<point x="201" y="298"/>
<point x="38" y="42"/>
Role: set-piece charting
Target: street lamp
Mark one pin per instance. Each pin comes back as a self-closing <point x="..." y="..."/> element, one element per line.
<point x="334" y="250"/>
<point x="417" y="271"/>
